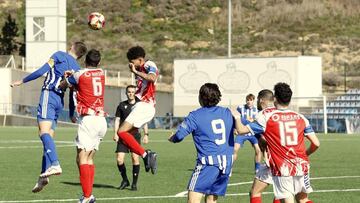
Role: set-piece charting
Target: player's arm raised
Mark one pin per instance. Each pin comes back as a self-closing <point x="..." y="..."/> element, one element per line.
<point x="34" y="75"/>
<point x="152" y="77"/>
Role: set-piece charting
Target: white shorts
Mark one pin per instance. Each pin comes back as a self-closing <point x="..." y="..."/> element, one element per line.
<point x="289" y="186"/>
<point x="264" y="174"/>
<point x="91" y="131"/>
<point x="141" y="113"/>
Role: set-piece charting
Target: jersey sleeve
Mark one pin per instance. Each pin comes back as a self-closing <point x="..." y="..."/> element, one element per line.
<point x="255" y="128"/>
<point x="74" y="78"/>
<point x="258" y="126"/>
<point x="308" y="128"/>
<point x="186" y="127"/>
<point x="38" y="73"/>
<point x="151" y="68"/>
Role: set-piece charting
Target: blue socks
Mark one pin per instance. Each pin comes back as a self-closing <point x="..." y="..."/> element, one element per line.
<point x="49" y="150"/>
<point x="45" y="163"/>
<point x="257" y="166"/>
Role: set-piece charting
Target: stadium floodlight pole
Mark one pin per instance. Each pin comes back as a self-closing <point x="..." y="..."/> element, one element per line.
<point x="229" y="29"/>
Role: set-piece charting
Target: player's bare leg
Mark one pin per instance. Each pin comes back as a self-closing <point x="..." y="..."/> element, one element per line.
<point x="288" y="200"/>
<point x="258" y="156"/>
<point x="211" y="198"/>
<point x="257" y="188"/>
<point x="236" y="150"/>
<point x="194" y="197"/>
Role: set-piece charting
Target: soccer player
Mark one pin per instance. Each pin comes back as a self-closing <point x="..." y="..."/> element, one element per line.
<point x="212" y="129"/>
<point x="263" y="177"/>
<point x="51" y="104"/>
<point x="284" y="131"/>
<point x="90" y="86"/>
<point x="146" y="74"/>
<point x="122" y="112"/>
<point x="248" y="113"/>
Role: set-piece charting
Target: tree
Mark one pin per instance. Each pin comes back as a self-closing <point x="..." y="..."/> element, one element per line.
<point x="22" y="48"/>
<point x="8" y="44"/>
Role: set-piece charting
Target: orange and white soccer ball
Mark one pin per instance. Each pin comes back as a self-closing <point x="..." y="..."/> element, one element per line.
<point x="96" y="20"/>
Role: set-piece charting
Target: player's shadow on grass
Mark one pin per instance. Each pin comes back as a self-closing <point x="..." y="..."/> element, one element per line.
<point x="95" y="185"/>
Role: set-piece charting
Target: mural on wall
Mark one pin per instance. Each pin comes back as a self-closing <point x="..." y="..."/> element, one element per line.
<point x="233" y="81"/>
<point x="192" y="80"/>
<point x="273" y="75"/>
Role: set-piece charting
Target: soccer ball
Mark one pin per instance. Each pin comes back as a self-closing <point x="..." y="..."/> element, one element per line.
<point x="96" y="20"/>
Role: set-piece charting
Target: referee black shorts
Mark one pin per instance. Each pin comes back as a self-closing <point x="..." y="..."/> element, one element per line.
<point x="121" y="147"/>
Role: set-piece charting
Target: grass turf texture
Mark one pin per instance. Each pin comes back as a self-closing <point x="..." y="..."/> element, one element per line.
<point x="20" y="161"/>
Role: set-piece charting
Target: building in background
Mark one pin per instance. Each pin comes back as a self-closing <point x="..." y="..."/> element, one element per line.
<point x="45" y="30"/>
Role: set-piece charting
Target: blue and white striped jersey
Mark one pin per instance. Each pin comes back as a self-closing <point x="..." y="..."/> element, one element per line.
<point x="213" y="134"/>
<point x="59" y="63"/>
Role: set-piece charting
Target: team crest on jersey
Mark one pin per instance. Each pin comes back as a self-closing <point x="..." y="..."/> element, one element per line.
<point x="51" y="62"/>
<point x="275" y="117"/>
<point x="87" y="74"/>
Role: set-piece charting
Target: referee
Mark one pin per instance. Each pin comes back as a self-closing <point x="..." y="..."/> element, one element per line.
<point x="122" y="111"/>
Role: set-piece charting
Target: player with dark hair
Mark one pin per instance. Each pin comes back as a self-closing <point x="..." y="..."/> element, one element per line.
<point x="90" y="85"/>
<point x="212" y="129"/>
<point x="146" y="74"/>
<point x="51" y="104"/>
<point x="122" y="112"/>
<point x="248" y="113"/>
<point x="284" y="131"/>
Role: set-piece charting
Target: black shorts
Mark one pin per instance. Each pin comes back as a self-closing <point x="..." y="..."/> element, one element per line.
<point x="121" y="147"/>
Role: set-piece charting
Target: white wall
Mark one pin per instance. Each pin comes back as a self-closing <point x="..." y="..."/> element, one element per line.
<point x="5" y="97"/>
<point x="238" y="77"/>
<point x="54" y="14"/>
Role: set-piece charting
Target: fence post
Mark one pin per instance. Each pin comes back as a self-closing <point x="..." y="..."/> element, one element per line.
<point x="325" y="115"/>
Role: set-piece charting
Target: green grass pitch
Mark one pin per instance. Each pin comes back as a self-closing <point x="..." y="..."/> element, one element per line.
<point x="335" y="170"/>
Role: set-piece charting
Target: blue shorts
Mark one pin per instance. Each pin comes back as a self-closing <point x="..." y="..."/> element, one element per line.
<point x="50" y="106"/>
<point x="208" y="180"/>
<point x="240" y="139"/>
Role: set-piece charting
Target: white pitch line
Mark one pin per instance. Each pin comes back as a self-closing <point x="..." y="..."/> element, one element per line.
<point x="31" y="141"/>
<point x="165" y="196"/>
<point x="34" y="147"/>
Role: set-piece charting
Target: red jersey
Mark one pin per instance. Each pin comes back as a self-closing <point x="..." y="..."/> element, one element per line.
<point x="284" y="131"/>
<point x="90" y="91"/>
<point x="146" y="89"/>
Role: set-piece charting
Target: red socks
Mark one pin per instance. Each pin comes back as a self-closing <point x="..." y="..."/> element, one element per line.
<point x="85" y="179"/>
<point x="276" y="201"/>
<point x="255" y="199"/>
<point x="92" y="175"/>
<point x="309" y="201"/>
<point x="131" y="143"/>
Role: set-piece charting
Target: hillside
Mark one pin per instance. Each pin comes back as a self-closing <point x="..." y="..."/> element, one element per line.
<point x="171" y="29"/>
